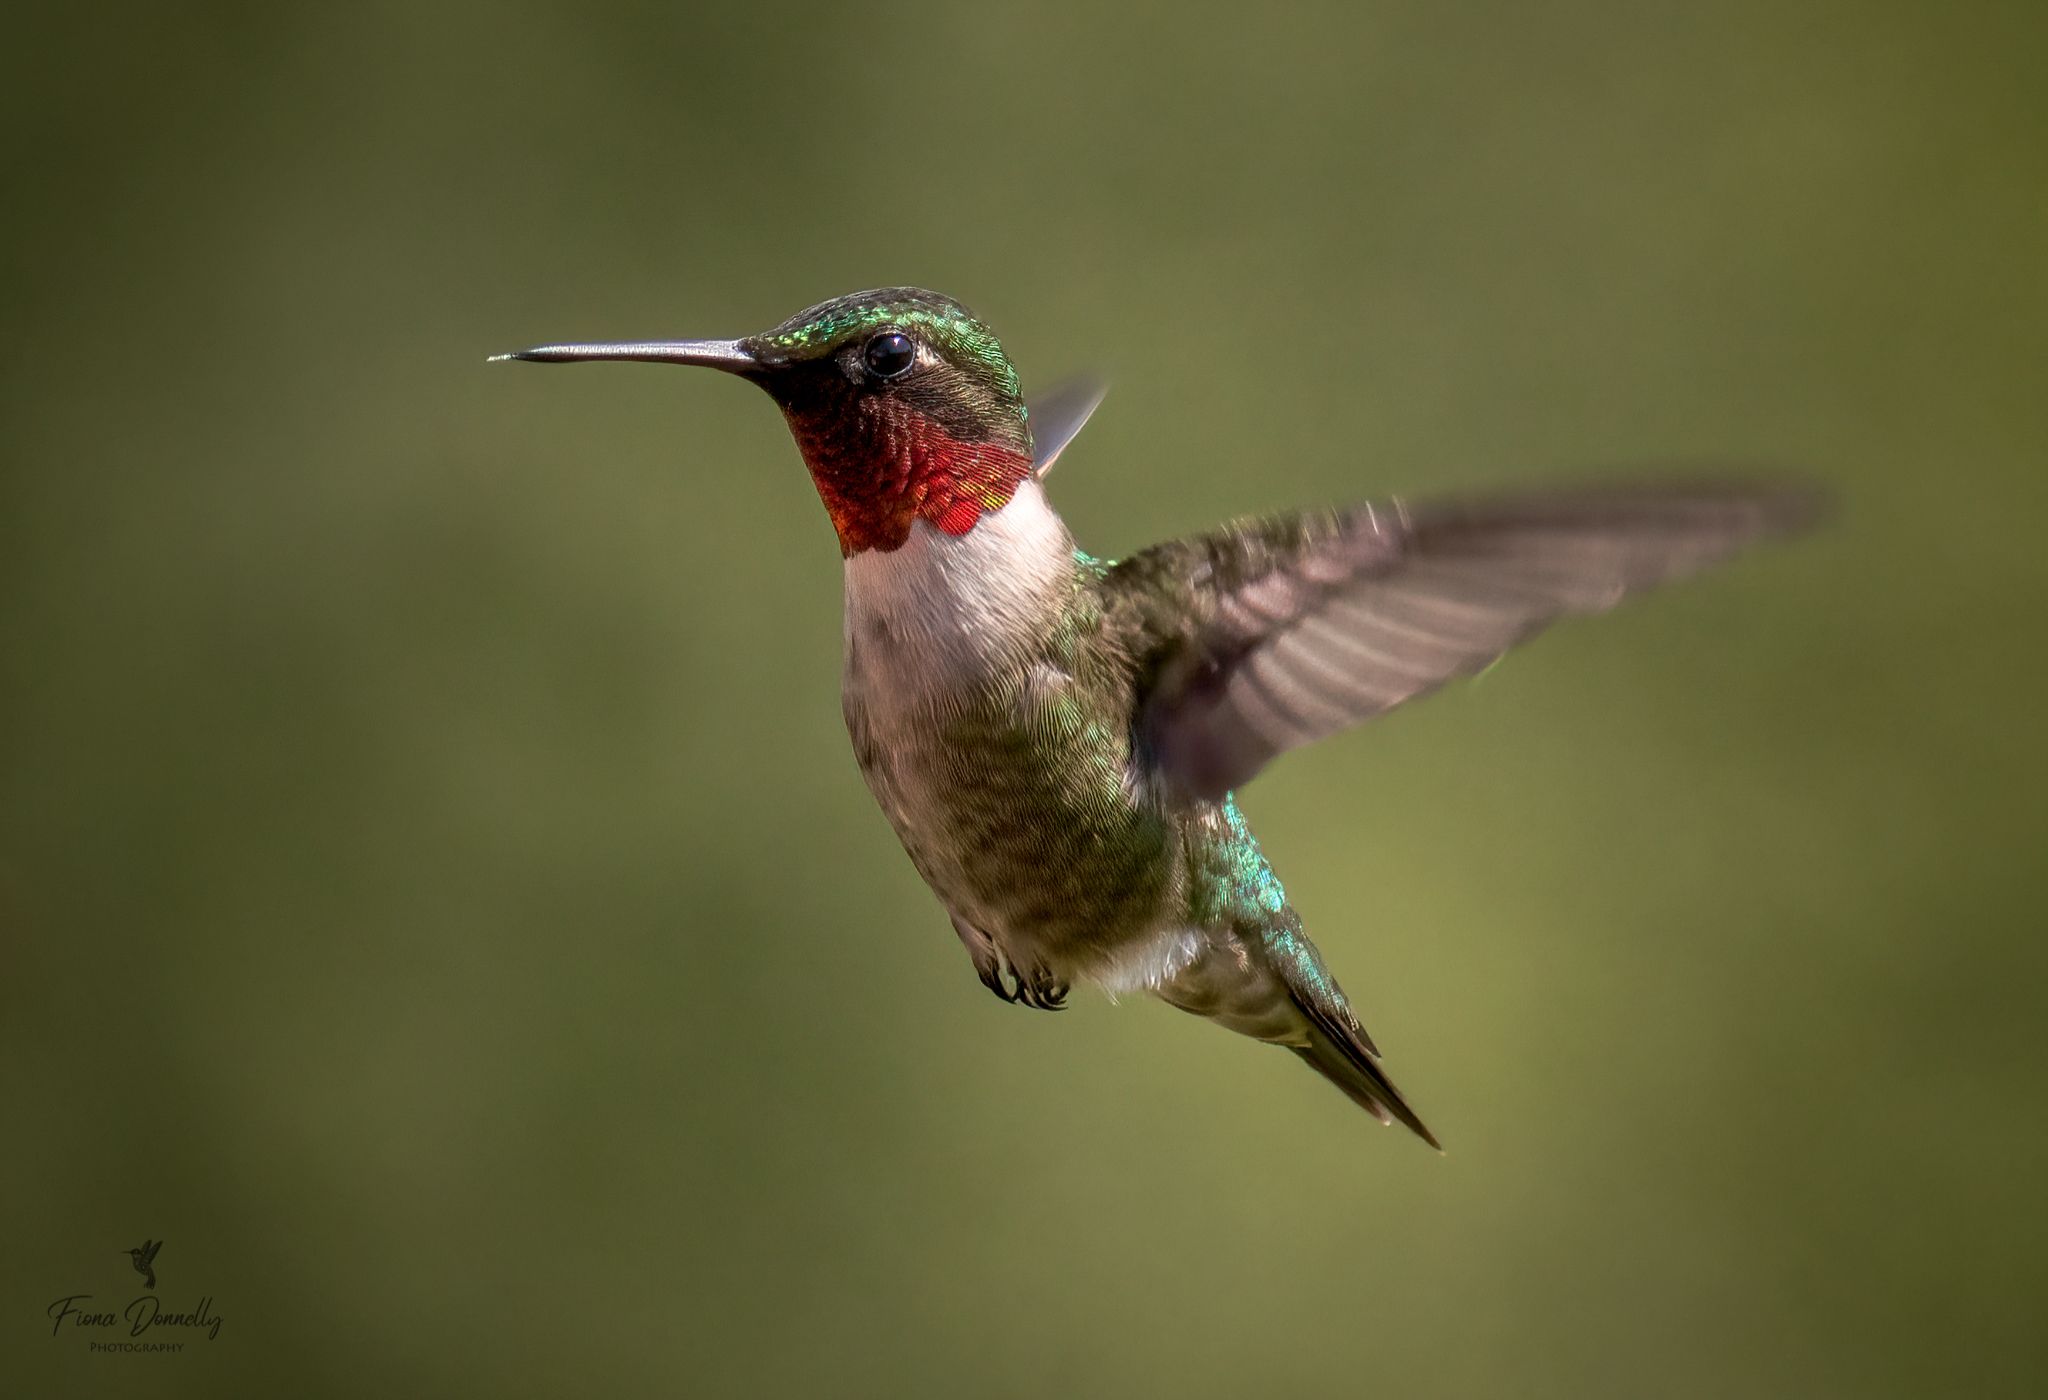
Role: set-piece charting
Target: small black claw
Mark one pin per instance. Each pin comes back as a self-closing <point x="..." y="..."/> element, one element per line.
<point x="988" y="962"/>
<point x="1036" y="987"/>
<point x="1040" y="991"/>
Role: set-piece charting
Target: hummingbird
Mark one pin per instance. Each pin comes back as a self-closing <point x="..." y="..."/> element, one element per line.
<point x="144" y="1259"/>
<point x="1057" y="739"/>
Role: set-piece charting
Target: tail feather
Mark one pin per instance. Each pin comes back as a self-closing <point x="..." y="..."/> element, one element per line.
<point x="1348" y="1062"/>
<point x="1338" y="1046"/>
<point x="1271" y="985"/>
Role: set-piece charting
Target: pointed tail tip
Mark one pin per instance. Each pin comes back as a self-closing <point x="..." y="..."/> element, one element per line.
<point x="1390" y="1115"/>
<point x="1415" y="1125"/>
<point x="1360" y="1079"/>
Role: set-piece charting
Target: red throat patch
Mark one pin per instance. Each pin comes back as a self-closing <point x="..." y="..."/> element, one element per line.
<point x="899" y="467"/>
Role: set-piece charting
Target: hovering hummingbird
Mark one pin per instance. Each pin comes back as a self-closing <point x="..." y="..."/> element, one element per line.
<point x="1056" y="738"/>
<point x="144" y="1259"/>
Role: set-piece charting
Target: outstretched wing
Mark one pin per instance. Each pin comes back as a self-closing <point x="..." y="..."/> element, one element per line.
<point x="149" y="1249"/>
<point x="1271" y="633"/>
<point x="1057" y="415"/>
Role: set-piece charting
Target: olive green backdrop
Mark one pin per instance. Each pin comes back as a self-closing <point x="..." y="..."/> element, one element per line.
<point x="437" y="897"/>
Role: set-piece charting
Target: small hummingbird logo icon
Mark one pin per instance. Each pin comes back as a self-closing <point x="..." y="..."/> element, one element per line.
<point x="145" y="1259"/>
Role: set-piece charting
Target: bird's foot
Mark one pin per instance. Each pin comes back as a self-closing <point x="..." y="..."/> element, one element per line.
<point x="1033" y="986"/>
<point x="1037" y="988"/>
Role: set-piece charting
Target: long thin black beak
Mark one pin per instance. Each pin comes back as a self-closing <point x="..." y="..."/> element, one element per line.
<point x="728" y="355"/>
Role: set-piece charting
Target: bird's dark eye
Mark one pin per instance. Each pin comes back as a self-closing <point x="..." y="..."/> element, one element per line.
<point x="889" y="354"/>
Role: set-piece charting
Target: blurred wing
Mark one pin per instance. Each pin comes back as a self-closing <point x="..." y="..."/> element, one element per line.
<point x="1057" y="415"/>
<point x="1269" y="634"/>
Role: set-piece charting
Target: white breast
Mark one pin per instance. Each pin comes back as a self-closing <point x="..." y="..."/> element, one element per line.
<point x="946" y="610"/>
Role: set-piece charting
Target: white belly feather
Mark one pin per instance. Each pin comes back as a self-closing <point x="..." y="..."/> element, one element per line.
<point x="956" y="608"/>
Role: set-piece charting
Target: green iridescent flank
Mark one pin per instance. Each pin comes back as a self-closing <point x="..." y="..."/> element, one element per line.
<point x="1235" y="888"/>
<point x="1241" y="888"/>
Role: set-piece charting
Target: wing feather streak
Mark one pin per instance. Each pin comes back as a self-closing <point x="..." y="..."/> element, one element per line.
<point x="1273" y="633"/>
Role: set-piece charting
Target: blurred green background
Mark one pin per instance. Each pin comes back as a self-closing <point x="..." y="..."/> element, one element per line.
<point x="437" y="896"/>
